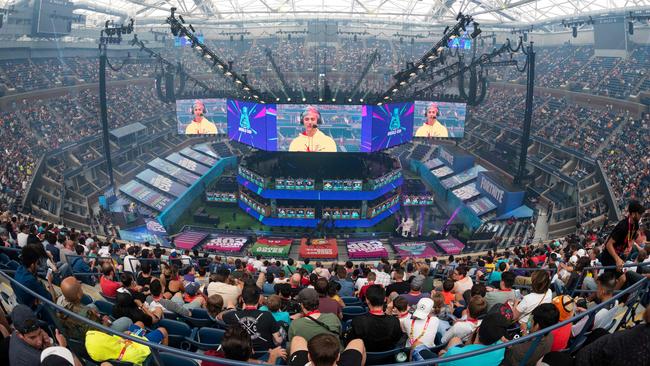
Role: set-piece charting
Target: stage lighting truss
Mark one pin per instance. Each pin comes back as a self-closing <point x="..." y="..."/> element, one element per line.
<point x="179" y="29"/>
<point x="435" y="55"/>
<point x="112" y="34"/>
<point x="171" y="66"/>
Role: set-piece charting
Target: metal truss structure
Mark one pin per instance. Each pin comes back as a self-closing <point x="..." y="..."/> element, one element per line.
<point x="429" y="12"/>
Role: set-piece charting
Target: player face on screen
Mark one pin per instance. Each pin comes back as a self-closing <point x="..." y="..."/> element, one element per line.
<point x="312" y="139"/>
<point x="198" y="109"/>
<point x="310" y="121"/>
<point x="199" y="124"/>
<point x="432" y="114"/>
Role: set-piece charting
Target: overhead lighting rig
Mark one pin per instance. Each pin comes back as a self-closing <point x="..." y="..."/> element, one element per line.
<point x="408" y="75"/>
<point x="179" y="29"/>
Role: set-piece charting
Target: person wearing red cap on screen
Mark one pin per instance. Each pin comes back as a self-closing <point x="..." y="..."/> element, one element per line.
<point x="312" y="139"/>
<point x="432" y="127"/>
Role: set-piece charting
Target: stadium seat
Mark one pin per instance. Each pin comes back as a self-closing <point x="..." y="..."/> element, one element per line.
<point x="351" y="301"/>
<point x="168" y="359"/>
<point x="178" y="331"/>
<point x="108" y="298"/>
<point x="206" y="338"/>
<point x="381" y="358"/>
<point x="198" y="319"/>
<point x="349" y="312"/>
<point x="104" y="307"/>
<point x="86" y="299"/>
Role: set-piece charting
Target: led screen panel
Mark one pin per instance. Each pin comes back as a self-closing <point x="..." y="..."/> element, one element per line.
<point x="439" y="119"/>
<point x="201" y="116"/>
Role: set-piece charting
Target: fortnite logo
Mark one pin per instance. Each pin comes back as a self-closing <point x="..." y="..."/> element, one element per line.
<point x="395" y="125"/>
<point x="492" y="189"/>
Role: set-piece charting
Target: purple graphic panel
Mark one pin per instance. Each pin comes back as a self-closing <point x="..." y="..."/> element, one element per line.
<point x="189" y="239"/>
<point x="416" y="249"/>
<point x="389" y="125"/>
<point x="369" y="248"/>
<point x="450" y="246"/>
<point x="250" y="123"/>
<point x="226" y="244"/>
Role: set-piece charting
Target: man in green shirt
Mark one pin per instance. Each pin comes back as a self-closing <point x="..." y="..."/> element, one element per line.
<point x="290" y="268"/>
<point x="312" y="321"/>
<point x="307" y="267"/>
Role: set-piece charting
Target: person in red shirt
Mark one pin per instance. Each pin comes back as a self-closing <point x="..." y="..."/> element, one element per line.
<point x="447" y="291"/>
<point x="371" y="281"/>
<point x="106" y="282"/>
<point x="566" y="307"/>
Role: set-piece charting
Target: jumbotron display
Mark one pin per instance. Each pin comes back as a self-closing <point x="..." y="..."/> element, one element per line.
<point x="321" y="128"/>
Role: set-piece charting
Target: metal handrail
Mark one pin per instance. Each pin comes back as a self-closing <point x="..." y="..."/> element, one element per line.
<point x="158" y="347"/>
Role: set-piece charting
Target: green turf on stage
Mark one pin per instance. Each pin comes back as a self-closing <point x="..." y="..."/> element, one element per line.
<point x="243" y="221"/>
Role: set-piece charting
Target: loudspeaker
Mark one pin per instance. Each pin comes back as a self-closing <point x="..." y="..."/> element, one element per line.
<point x="574" y="31"/>
<point x="630" y="28"/>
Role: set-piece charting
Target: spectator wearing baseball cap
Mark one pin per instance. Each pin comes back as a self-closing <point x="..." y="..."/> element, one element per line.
<point x="416" y="293"/>
<point x="28" y="339"/>
<point x="543" y="316"/>
<point x="421" y="329"/>
<point x="312" y="322"/>
<point x="58" y="356"/>
<point x="492" y="330"/>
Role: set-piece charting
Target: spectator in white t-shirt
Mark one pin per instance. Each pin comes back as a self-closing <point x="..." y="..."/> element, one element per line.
<point x="464" y="328"/>
<point x="540" y="294"/>
<point x="131" y="263"/>
<point x="421" y="329"/>
<point x="22" y="236"/>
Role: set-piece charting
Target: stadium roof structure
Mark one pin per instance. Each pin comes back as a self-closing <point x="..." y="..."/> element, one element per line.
<point x="429" y="12"/>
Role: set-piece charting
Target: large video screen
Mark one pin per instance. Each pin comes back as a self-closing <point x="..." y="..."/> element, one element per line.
<point x="439" y="119"/>
<point x="319" y="128"/>
<point x="201" y="116"/>
<point x="252" y="124"/>
<point x="386" y="126"/>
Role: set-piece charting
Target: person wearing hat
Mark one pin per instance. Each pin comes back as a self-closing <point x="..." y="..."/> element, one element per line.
<point x="543" y="316"/>
<point x="493" y="329"/>
<point x="566" y="308"/>
<point x="28" y="339"/>
<point x="312" y="321"/>
<point x="58" y="356"/>
<point x="416" y="293"/>
<point x="421" y="329"/>
<point x="622" y="238"/>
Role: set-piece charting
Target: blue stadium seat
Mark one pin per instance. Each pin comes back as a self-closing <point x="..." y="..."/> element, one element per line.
<point x="350" y="312"/>
<point x="206" y="338"/>
<point x="168" y="359"/>
<point x="351" y="301"/>
<point x="178" y="331"/>
<point x="381" y="358"/>
<point x="104" y="307"/>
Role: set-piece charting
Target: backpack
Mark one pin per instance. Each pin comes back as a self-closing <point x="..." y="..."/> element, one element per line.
<point x="102" y="347"/>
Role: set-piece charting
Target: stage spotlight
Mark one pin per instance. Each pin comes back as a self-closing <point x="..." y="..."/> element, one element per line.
<point x="237" y="81"/>
<point x="361" y="100"/>
<point x="288" y="99"/>
<point x="421" y="66"/>
<point x="255" y="96"/>
<point x="247" y="88"/>
<point x="304" y="99"/>
<point x="333" y="99"/>
<point x="402" y="82"/>
<point x="277" y="99"/>
<point x="208" y="56"/>
<point x="349" y="100"/>
<point x="476" y="31"/>
<point x="320" y="99"/>
<point x="380" y="103"/>
<point x="228" y="73"/>
<point x="387" y="97"/>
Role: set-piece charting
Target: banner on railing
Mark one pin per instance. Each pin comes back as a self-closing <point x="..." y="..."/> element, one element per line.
<point x="272" y="247"/>
<point x="319" y="248"/>
<point x="450" y="246"/>
<point x="366" y="248"/>
<point x="232" y="244"/>
<point x="417" y="249"/>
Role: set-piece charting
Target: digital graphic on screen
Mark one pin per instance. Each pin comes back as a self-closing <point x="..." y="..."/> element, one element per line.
<point x="252" y="124"/>
<point x="201" y="116"/>
<point x="386" y="126"/>
<point x="439" y="119"/>
<point x="319" y="128"/>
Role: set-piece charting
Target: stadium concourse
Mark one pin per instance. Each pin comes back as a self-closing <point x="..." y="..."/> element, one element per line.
<point x="434" y="226"/>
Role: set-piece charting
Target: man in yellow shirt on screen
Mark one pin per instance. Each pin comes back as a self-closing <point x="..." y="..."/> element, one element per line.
<point x="312" y="139"/>
<point x="199" y="124"/>
<point x="432" y="127"/>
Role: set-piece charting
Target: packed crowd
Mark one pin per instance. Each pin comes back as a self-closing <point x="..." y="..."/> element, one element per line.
<point x="36" y="126"/>
<point x="271" y="311"/>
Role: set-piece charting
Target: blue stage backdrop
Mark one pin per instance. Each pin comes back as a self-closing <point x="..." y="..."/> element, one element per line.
<point x="252" y="124"/>
<point x="386" y="126"/>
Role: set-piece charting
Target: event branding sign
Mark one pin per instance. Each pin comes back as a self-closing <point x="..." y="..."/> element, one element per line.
<point x="226" y="243"/>
<point x="272" y="247"/>
<point x="369" y="248"/>
<point x="414" y="249"/>
<point x="450" y="246"/>
<point x="319" y="248"/>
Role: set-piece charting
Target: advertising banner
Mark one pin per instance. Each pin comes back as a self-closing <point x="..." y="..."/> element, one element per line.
<point x="367" y="248"/>
<point x="415" y="249"/>
<point x="189" y="239"/>
<point x="232" y="244"/>
<point x="450" y="246"/>
<point x="272" y="247"/>
<point x="161" y="182"/>
<point x="319" y="248"/>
